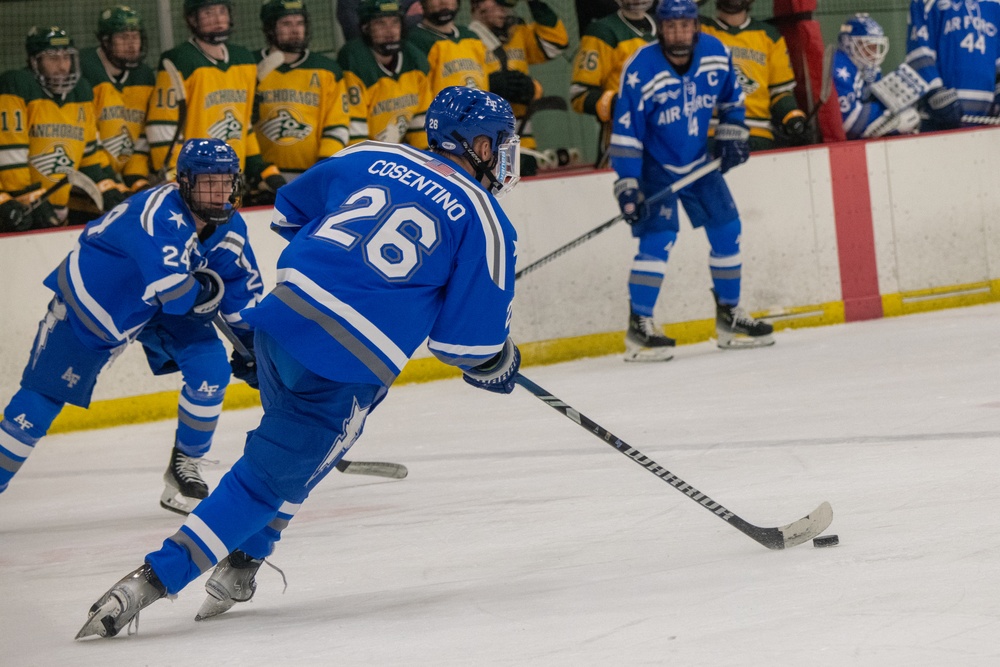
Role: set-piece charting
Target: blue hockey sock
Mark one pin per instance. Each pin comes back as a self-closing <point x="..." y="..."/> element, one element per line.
<point x="27" y="419"/>
<point x="725" y="261"/>
<point x="648" y="267"/>
<point x="261" y="544"/>
<point x="197" y="417"/>
<point x="239" y="508"/>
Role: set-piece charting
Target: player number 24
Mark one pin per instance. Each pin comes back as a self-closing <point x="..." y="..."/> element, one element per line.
<point x="395" y="247"/>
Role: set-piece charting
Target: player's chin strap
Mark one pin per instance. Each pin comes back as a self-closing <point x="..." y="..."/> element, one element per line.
<point x="481" y="167"/>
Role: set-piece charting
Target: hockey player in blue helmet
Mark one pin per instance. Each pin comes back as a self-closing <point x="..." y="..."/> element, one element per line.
<point x="389" y="246"/>
<point x="153" y="269"/>
<point x="478" y="129"/>
<point x="669" y="91"/>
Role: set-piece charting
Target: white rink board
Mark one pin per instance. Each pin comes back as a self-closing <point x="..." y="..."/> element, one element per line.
<point x="934" y="210"/>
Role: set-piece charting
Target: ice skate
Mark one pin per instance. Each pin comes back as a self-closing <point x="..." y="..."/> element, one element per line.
<point x="736" y="329"/>
<point x="232" y="581"/>
<point x="118" y="607"/>
<point x="184" y="486"/>
<point x="644" y="341"/>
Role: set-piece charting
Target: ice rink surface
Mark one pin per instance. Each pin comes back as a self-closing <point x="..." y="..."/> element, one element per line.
<point x="520" y="539"/>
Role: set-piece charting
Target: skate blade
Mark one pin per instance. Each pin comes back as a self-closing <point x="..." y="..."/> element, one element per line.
<point x="95" y="624"/>
<point x="212" y="606"/>
<point x="743" y="342"/>
<point x="638" y="353"/>
<point x="174" y="501"/>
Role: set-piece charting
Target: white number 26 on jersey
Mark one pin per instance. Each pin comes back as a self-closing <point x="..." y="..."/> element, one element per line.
<point x="396" y="245"/>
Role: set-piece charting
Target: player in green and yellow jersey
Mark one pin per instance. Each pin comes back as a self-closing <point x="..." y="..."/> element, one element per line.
<point x="388" y="89"/>
<point x="301" y="114"/>
<point x="760" y="57"/>
<point x="455" y="54"/>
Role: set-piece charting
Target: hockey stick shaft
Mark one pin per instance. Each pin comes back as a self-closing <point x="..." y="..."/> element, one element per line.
<point x="177" y="83"/>
<point x="546" y="103"/>
<point x="827" y="86"/>
<point x="374" y="468"/>
<point x="673" y="189"/>
<point x="773" y="538"/>
<point x="981" y="120"/>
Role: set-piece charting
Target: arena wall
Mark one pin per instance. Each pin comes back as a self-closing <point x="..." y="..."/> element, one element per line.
<point x="831" y="234"/>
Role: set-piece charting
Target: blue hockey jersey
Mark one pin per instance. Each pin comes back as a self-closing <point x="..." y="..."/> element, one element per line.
<point x="228" y="253"/>
<point x="389" y="245"/>
<point x="128" y="264"/>
<point x="857" y="108"/>
<point x="661" y="118"/>
<point x="954" y="43"/>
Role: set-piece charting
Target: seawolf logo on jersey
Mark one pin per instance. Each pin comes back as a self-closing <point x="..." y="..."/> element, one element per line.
<point x="121" y="145"/>
<point x="54" y="162"/>
<point x="228" y="128"/>
<point x="284" y="128"/>
<point x="748" y="85"/>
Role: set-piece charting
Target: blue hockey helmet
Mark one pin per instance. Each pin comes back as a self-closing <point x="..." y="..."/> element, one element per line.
<point x="676" y="10"/>
<point x="864" y="41"/>
<point x="200" y="157"/>
<point x="459" y="115"/>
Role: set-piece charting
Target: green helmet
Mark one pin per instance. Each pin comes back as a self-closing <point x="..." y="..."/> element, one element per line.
<point x="191" y="7"/>
<point x="272" y="10"/>
<point x="372" y="9"/>
<point x="52" y="38"/>
<point x="114" y="20"/>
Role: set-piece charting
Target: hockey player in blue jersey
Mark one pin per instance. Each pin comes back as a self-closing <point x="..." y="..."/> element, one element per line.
<point x="155" y="268"/>
<point x="857" y="70"/>
<point x="954" y="46"/>
<point x="668" y="92"/>
<point x="388" y="246"/>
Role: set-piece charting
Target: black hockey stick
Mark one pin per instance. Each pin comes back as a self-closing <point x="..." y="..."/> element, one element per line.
<point x="76" y="179"/>
<point x="674" y="188"/>
<point x="825" y="89"/>
<point x="546" y="103"/>
<point x="781" y="537"/>
<point x="375" y="468"/>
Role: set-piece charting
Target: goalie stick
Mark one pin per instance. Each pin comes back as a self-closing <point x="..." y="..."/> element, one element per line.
<point x="780" y="537"/>
<point x="673" y="189"/>
<point x="374" y="468"/>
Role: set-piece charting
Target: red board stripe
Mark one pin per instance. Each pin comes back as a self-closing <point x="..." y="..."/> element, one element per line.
<point x="852" y="210"/>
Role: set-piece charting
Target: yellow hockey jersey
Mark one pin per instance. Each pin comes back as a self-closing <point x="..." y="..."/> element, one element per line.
<point x="121" y="115"/>
<point x="458" y="59"/>
<point x="301" y="113"/>
<point x="42" y="137"/>
<point x="605" y="47"/>
<point x="220" y="97"/>
<point x="760" y="57"/>
<point x="386" y="105"/>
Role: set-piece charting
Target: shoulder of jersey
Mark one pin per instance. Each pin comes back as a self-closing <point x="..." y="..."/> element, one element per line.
<point x="422" y="38"/>
<point x="319" y="61"/>
<point x="239" y="55"/>
<point x="465" y="32"/>
<point x="161" y="212"/>
<point x="611" y="30"/>
<point x="710" y="45"/>
<point x="21" y="83"/>
<point x="91" y="66"/>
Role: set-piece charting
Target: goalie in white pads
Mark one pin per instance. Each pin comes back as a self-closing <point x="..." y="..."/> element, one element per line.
<point x="872" y="105"/>
<point x="669" y="90"/>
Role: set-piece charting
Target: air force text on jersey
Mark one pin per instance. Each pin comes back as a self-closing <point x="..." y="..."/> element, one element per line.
<point x="425" y="186"/>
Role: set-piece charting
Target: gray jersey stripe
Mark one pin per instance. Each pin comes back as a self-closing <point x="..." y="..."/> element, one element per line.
<point x="337" y="331"/>
<point x="201" y="558"/>
<point x="70" y="298"/>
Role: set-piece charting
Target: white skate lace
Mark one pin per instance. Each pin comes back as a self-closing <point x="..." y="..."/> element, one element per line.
<point x="189" y="467"/>
<point x="279" y="571"/>
<point x="647" y="326"/>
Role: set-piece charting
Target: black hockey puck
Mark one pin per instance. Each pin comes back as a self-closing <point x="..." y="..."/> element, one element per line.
<point x="826" y="541"/>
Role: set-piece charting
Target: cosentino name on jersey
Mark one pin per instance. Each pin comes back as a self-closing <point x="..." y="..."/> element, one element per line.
<point x="119" y="112"/>
<point x="460" y="65"/>
<point x="425" y="186"/>
<point x="743" y="53"/>
<point x="225" y="97"/>
<point x="395" y="104"/>
<point x="289" y="95"/>
<point x="56" y="131"/>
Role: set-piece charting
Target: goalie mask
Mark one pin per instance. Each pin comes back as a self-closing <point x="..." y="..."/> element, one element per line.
<point x="218" y="36"/>
<point x="684" y="15"/>
<point x="208" y="175"/>
<point x="273" y="11"/>
<point x="129" y="49"/>
<point x="458" y="116"/>
<point x="864" y="42"/>
<point x="387" y="40"/>
<point x="54" y="59"/>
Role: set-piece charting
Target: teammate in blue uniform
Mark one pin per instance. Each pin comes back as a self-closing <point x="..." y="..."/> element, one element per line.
<point x="155" y="268"/>
<point x="389" y="246"/>
<point x="857" y="64"/>
<point x="956" y="49"/>
<point x="668" y="92"/>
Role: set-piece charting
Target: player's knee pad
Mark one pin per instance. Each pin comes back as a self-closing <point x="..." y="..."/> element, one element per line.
<point x="206" y="372"/>
<point x="725" y="239"/>
<point x="29" y="415"/>
<point x="657" y="246"/>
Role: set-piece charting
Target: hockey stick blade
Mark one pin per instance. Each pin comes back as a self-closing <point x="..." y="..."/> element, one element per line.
<point x="673" y="189"/>
<point x="85" y="183"/>
<point x="781" y="537"/>
<point x="375" y="468"/>
<point x="269" y="63"/>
